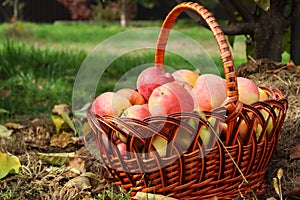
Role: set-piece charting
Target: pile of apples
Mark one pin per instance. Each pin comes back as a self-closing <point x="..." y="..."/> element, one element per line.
<point x="160" y="93"/>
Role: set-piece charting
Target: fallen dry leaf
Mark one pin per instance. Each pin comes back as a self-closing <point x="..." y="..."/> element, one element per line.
<point x="73" y="187"/>
<point x="68" y="120"/>
<point x="9" y="164"/>
<point x="4" y="132"/>
<point x="58" y="159"/>
<point x="61" y="108"/>
<point x="61" y="140"/>
<point x="149" y="196"/>
<point x="77" y="163"/>
<point x="14" y="126"/>
<point x="291" y="65"/>
<point x="94" y="180"/>
<point x="295" y="152"/>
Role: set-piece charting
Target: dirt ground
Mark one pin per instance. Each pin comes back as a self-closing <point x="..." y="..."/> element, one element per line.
<point x="287" y="79"/>
<point x="41" y="180"/>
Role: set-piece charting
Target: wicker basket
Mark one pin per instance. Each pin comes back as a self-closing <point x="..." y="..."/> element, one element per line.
<point x="199" y="171"/>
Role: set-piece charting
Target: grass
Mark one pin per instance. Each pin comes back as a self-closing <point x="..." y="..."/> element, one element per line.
<point x="40" y="61"/>
<point x="33" y="80"/>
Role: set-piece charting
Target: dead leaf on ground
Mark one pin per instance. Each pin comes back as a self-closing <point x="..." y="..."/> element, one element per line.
<point x="9" y="164"/>
<point x="59" y="123"/>
<point x="80" y="182"/>
<point x="4" y="132"/>
<point x="76" y="185"/>
<point x="149" y="196"/>
<point x="14" y="126"/>
<point x="295" y="152"/>
<point x="291" y="65"/>
<point x="57" y="159"/>
<point x="94" y="180"/>
<point x="68" y="120"/>
<point x="63" y="123"/>
<point x="77" y="163"/>
<point x="61" y="108"/>
<point x="61" y="140"/>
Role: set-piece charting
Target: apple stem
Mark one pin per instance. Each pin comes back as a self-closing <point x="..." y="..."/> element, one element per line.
<point x="236" y="165"/>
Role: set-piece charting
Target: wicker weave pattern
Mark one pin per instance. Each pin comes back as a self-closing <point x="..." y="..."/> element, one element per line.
<point x="198" y="171"/>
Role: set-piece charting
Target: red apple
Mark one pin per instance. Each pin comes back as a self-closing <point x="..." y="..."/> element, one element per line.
<point x="137" y="111"/>
<point x="151" y="78"/>
<point x="248" y="90"/>
<point x="132" y="95"/>
<point x="186" y="75"/>
<point x="209" y="92"/>
<point x="122" y="147"/>
<point x="110" y="103"/>
<point x="185" y="85"/>
<point x="170" y="98"/>
<point x="243" y="130"/>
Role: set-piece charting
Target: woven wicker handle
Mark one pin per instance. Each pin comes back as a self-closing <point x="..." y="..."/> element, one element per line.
<point x="229" y="70"/>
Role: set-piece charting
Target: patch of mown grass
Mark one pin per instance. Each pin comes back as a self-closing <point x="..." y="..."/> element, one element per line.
<point x="33" y="80"/>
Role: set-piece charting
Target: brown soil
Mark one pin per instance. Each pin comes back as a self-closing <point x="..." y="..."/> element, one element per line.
<point x="40" y="180"/>
<point x="276" y="75"/>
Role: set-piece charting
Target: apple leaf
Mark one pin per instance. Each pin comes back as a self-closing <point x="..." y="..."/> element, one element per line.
<point x="295" y="152"/>
<point x="9" y="164"/>
<point x="264" y="4"/>
<point x="57" y="159"/>
<point x="4" y="132"/>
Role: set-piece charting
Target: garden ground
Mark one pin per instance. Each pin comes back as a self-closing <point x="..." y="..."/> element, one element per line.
<point x="79" y="175"/>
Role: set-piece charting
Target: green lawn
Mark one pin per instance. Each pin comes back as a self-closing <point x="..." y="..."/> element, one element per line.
<point x="40" y="61"/>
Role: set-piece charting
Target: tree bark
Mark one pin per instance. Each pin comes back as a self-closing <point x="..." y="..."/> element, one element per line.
<point x="123" y="14"/>
<point x="295" y="30"/>
<point x="269" y="31"/>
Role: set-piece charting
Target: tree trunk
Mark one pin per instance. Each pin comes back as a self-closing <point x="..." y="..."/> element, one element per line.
<point x="295" y="42"/>
<point x="123" y="14"/>
<point x="269" y="32"/>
